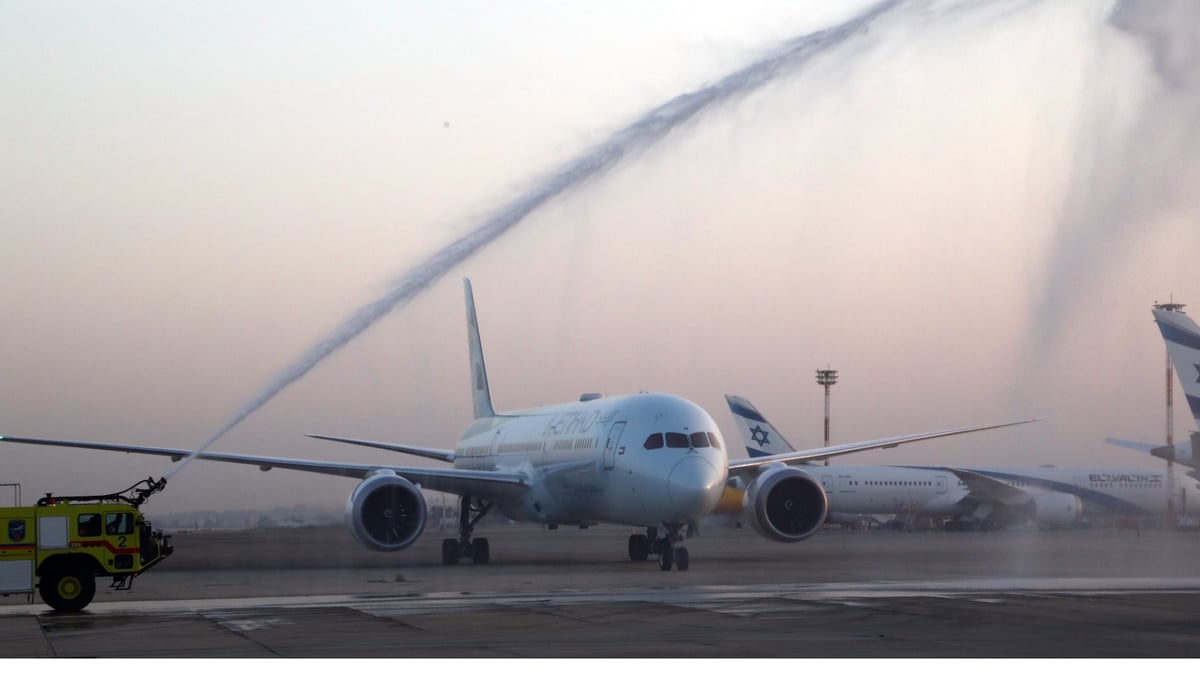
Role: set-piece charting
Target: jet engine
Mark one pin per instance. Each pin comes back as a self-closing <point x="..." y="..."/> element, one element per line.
<point x="386" y="512"/>
<point x="1055" y="509"/>
<point x="786" y="504"/>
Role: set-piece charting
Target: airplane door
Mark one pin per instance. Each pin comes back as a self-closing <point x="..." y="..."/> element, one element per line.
<point x="497" y="438"/>
<point x="941" y="484"/>
<point x="611" y="446"/>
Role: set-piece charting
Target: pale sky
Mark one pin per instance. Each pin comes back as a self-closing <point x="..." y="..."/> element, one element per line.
<point x="967" y="210"/>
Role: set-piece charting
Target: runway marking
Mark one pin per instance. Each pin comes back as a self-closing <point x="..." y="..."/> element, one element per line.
<point x="245" y="624"/>
<point x="702" y="596"/>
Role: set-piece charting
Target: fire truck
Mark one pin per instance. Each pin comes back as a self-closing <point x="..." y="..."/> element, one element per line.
<point x="64" y="543"/>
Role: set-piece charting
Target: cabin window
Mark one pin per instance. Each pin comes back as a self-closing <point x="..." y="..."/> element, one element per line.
<point x="699" y="440"/>
<point x="677" y="440"/>
<point x="89" y="524"/>
<point x="118" y="523"/>
<point x="653" y="441"/>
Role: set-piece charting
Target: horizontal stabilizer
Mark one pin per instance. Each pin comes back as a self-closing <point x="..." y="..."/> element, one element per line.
<point x="1182" y="452"/>
<point x="1140" y="446"/>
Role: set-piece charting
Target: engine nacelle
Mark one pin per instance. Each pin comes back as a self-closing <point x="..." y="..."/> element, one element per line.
<point x="386" y="512"/>
<point x="1056" y="509"/>
<point x="786" y="504"/>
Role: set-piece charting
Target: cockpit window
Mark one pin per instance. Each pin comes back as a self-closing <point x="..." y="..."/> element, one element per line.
<point x="677" y="440"/>
<point x="674" y="439"/>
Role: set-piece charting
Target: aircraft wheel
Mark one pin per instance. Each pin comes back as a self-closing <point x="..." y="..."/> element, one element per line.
<point x="480" y="552"/>
<point x="68" y="587"/>
<point x="639" y="547"/>
<point x="666" y="557"/>
<point x="681" y="558"/>
<point x="449" y="552"/>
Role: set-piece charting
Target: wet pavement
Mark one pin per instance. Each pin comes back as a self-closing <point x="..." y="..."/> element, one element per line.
<point x="1092" y="593"/>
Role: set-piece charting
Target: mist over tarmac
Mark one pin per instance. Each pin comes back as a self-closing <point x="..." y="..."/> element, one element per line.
<point x="967" y="209"/>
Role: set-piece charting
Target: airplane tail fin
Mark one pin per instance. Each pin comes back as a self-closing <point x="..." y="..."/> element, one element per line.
<point x="1182" y="337"/>
<point x="481" y="395"/>
<point x="1183" y="343"/>
<point x="760" y="437"/>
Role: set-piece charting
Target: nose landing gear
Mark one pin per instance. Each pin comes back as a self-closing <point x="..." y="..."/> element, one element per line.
<point x="642" y="545"/>
<point x="673" y="555"/>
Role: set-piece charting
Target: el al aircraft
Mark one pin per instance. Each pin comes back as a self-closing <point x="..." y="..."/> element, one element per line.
<point x="654" y="461"/>
<point x="975" y="497"/>
<point x="1182" y="337"/>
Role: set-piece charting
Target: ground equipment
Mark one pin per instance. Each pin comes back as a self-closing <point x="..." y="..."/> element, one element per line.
<point x="65" y="542"/>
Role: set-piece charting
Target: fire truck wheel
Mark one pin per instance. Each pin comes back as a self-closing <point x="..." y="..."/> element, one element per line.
<point x="67" y="587"/>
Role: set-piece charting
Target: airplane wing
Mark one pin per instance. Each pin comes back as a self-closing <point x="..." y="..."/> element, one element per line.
<point x="435" y="453"/>
<point x="482" y="483"/>
<point x="750" y="464"/>
<point x="983" y="488"/>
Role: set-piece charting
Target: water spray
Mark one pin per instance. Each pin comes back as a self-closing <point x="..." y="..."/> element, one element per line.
<point x="641" y="134"/>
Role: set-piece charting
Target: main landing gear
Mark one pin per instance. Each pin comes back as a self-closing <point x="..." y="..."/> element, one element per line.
<point x="454" y="550"/>
<point x="642" y="545"/>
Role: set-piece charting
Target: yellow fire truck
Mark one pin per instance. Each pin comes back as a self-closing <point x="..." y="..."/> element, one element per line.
<point x="65" y="542"/>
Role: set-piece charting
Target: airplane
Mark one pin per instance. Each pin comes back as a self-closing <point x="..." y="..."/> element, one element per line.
<point x="968" y="498"/>
<point x="1182" y="337"/>
<point x="653" y="461"/>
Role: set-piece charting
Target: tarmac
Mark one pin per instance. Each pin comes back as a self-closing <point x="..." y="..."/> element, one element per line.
<point x="316" y="593"/>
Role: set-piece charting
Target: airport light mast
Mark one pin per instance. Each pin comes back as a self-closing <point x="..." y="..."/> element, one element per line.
<point x="826" y="378"/>
<point x="1170" y="306"/>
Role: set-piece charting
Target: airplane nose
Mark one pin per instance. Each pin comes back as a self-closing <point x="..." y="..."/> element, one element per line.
<point x="694" y="487"/>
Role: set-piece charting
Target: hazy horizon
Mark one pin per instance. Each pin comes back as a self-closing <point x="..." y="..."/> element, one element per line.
<point x="967" y="210"/>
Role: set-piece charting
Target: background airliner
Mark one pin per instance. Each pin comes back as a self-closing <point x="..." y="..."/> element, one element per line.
<point x="649" y="460"/>
<point x="1182" y="337"/>
<point x="1047" y="496"/>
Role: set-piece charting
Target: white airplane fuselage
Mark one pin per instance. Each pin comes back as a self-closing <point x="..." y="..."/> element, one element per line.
<point x="1108" y="490"/>
<point x="869" y="489"/>
<point x="631" y="482"/>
